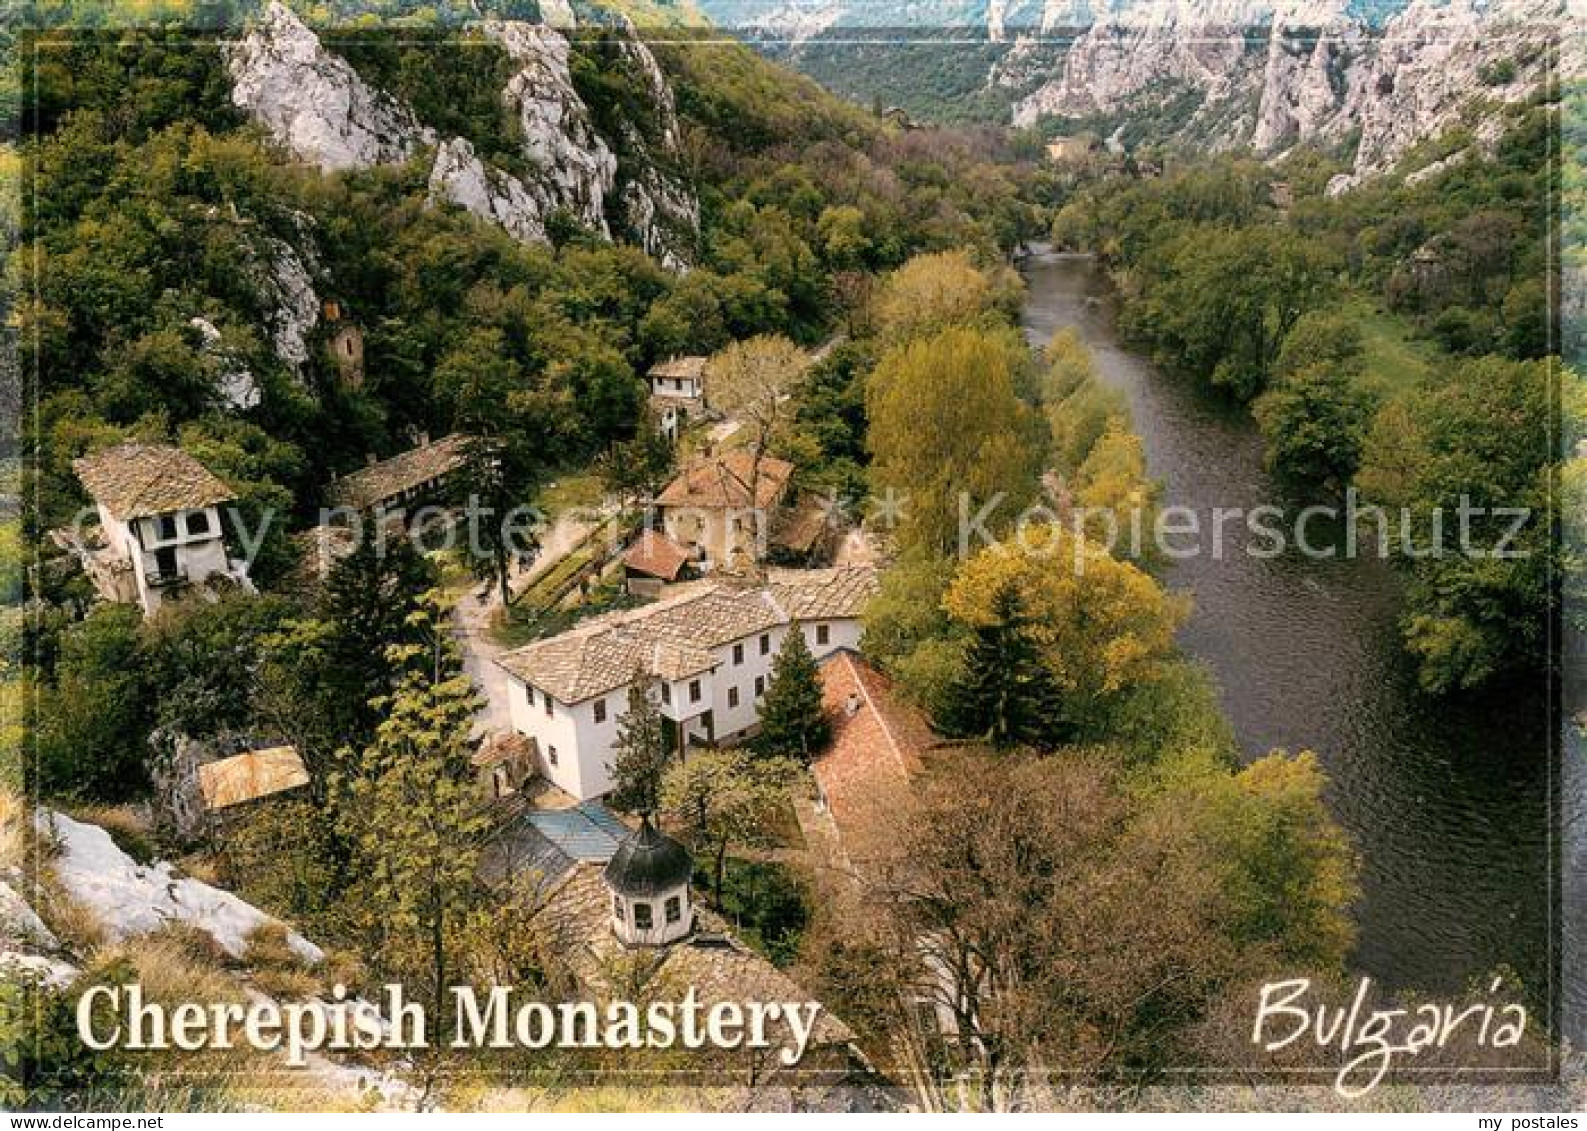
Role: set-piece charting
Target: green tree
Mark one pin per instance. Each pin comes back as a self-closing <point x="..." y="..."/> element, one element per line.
<point x="1466" y="463"/>
<point x="949" y="433"/>
<point x="1315" y="422"/>
<point x="1006" y="696"/>
<point x="641" y="749"/>
<point x="94" y="717"/>
<point x="410" y="810"/>
<point x="723" y="799"/>
<point x="793" y="722"/>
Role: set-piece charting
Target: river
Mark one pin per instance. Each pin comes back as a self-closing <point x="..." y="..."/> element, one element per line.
<point x="1448" y="801"/>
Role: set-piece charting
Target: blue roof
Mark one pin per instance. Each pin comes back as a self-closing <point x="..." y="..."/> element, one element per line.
<point x="588" y="832"/>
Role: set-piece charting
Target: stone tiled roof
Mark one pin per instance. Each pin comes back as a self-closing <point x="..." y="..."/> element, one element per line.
<point x="673" y="638"/>
<point x="381" y="482"/>
<point x="723" y="481"/>
<point x="712" y="961"/>
<point x="250" y="776"/>
<point x="656" y="555"/>
<point x="800" y="527"/>
<point x="141" y="480"/>
<point x="877" y="747"/>
<point x="679" y="367"/>
<point x="503" y="746"/>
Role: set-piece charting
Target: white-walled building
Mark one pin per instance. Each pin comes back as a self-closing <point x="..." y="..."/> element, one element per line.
<point x="677" y="393"/>
<point x="710" y="650"/>
<point x="159" y="511"/>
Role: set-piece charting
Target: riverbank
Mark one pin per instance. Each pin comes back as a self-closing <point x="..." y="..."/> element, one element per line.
<point x="1449" y="802"/>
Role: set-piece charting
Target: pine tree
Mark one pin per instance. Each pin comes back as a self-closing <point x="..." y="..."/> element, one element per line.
<point x="793" y="721"/>
<point x="640" y="749"/>
<point x="409" y="808"/>
<point x="1006" y="696"/>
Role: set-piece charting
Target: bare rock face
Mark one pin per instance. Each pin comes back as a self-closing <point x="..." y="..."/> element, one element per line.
<point x="313" y="102"/>
<point x="579" y="169"/>
<point x="315" y="105"/>
<point x="461" y="177"/>
<point x="1316" y="73"/>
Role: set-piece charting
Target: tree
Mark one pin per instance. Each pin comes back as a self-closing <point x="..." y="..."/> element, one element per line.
<point x="753" y="382"/>
<point x="641" y="749"/>
<point x="1466" y="461"/>
<point x="932" y="292"/>
<point x="1100" y="625"/>
<point x="637" y="468"/>
<point x="793" y="722"/>
<point x="948" y="431"/>
<point x="368" y="599"/>
<point x="1006" y="696"/>
<point x="410" y="809"/>
<point x="726" y="798"/>
<point x="1315" y="422"/>
<point x="93" y="719"/>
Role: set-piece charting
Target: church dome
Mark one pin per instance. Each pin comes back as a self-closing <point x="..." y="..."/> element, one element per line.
<point x="648" y="863"/>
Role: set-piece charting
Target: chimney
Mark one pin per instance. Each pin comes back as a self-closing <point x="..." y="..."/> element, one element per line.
<point x="369" y="459"/>
<point x="424" y="439"/>
<point x="852" y="707"/>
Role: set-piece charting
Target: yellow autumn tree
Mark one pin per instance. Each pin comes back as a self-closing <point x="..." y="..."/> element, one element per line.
<point x="1101" y="625"/>
<point x="949" y="432"/>
<point x="932" y="291"/>
<point x="1116" y="499"/>
<point x="1286" y="870"/>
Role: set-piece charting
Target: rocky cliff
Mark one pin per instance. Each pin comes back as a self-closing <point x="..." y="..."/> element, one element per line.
<point x="317" y="106"/>
<point x="1267" y="76"/>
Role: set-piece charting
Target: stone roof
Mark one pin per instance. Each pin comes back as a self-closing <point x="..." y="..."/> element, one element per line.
<point x="672" y="639"/>
<point x="140" y="480"/>
<point x="723" y="481"/>
<point x="718" y="967"/>
<point x="381" y="482"/>
<point x="250" y="776"/>
<point x="877" y="746"/>
<point x="799" y="528"/>
<point x="655" y="555"/>
<point x="692" y="366"/>
<point x="503" y="746"/>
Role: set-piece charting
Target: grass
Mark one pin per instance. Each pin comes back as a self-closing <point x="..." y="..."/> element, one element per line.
<point x="766" y="905"/>
<point x="1395" y="360"/>
<point x="582" y="490"/>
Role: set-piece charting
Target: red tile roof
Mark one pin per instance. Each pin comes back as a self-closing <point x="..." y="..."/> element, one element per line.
<point x="656" y="555"/>
<point x="724" y="482"/>
<point x="877" y="747"/>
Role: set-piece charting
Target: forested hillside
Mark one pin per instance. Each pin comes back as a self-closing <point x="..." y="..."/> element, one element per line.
<point x="176" y="258"/>
<point x="1399" y="339"/>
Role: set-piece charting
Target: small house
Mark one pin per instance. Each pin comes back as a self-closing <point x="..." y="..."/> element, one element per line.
<point x="677" y="393"/>
<point x="159" y="513"/>
<point x="710" y="510"/>
<point x="415" y="476"/>
<point x="654" y="560"/>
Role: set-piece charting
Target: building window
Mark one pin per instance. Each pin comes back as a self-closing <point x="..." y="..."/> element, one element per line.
<point x="694" y="691"/>
<point x="674" y="909"/>
<point x="642" y="919"/>
<point x="732" y="697"/>
<point x="617" y="908"/>
<point x="551" y="754"/>
<point x="165" y="527"/>
<point x="198" y="522"/>
<point x="547" y="696"/>
<point x="666" y="693"/>
<point x="823" y="634"/>
<point x="765" y="643"/>
<point x="738" y="653"/>
<point x="760" y="686"/>
<point x="600" y="710"/>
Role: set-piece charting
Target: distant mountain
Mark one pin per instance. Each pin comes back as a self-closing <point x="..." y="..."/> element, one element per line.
<point x="1371" y="77"/>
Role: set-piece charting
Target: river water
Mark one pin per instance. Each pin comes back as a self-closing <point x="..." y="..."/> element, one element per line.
<point x="1448" y="801"/>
